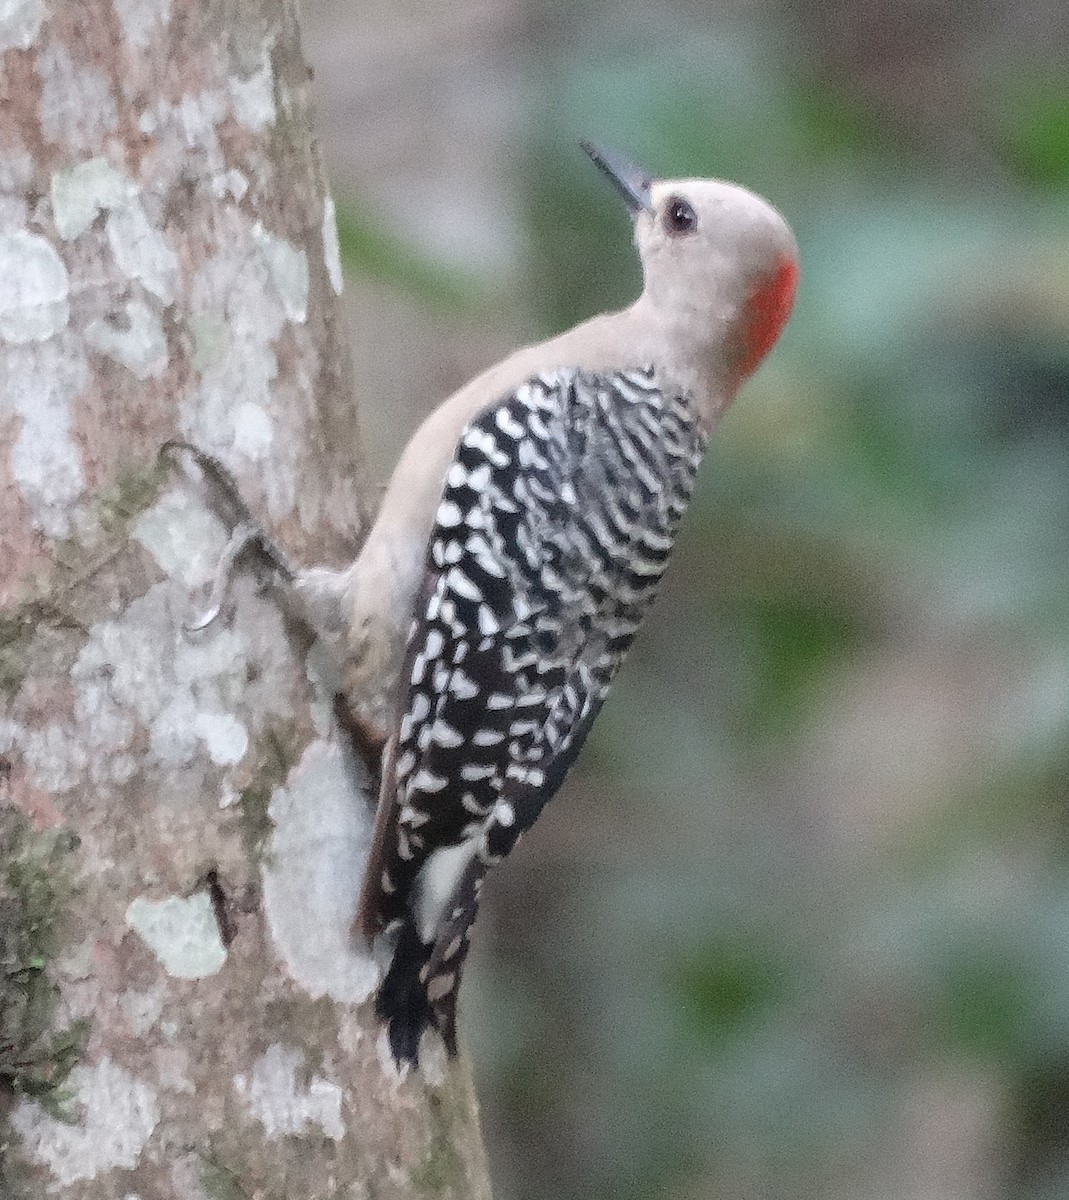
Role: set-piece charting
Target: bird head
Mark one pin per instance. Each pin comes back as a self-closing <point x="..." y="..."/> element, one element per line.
<point x="720" y="264"/>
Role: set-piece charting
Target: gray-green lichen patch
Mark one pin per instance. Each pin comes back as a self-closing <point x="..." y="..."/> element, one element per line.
<point x="132" y="491"/>
<point x="117" y="1114"/>
<point x="183" y="537"/>
<point x="16" y="633"/>
<point x="219" y="1183"/>
<point x="133" y="336"/>
<point x="53" y="603"/>
<point x="20" y="23"/>
<point x="43" y="376"/>
<point x="311" y="876"/>
<point x="36" y="1054"/>
<point x="253" y="97"/>
<point x="288" y="268"/>
<point x="34" y="288"/>
<point x="77" y="104"/>
<point x="183" y="698"/>
<point x="80" y="192"/>
<point x="141" y="19"/>
<point x="209" y="340"/>
<point x="181" y="932"/>
<point x="141" y="251"/>
<point x="282" y="1104"/>
<point x="331" y="245"/>
<point x="253" y="430"/>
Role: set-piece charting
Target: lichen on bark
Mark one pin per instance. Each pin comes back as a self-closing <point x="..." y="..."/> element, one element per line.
<point x="38" y="1051"/>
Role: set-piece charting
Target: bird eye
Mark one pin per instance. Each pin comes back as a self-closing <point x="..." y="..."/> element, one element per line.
<point x="679" y="217"/>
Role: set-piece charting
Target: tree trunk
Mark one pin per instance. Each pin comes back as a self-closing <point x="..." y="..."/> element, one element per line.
<point x="183" y="1013"/>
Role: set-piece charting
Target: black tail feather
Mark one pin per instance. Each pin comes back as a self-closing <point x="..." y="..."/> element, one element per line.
<point x="422" y="983"/>
<point x="401" y="1002"/>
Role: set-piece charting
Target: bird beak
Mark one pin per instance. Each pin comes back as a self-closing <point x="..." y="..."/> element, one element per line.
<point x="630" y="181"/>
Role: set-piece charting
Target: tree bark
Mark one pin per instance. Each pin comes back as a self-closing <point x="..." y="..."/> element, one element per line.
<point x="182" y="1010"/>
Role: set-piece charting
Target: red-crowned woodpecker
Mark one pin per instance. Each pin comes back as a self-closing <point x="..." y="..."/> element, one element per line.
<point x="525" y="530"/>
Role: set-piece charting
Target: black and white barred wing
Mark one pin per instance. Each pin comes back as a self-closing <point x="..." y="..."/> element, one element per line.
<point x="555" y="524"/>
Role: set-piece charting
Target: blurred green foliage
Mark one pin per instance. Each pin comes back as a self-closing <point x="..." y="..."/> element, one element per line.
<point x="794" y="639"/>
<point x="1036" y="131"/>
<point x="726" y="987"/>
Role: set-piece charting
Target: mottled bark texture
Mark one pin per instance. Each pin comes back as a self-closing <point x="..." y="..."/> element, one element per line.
<point x="182" y="1013"/>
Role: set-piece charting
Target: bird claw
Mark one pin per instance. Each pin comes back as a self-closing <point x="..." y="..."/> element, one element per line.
<point x="241" y="539"/>
<point x="246" y="535"/>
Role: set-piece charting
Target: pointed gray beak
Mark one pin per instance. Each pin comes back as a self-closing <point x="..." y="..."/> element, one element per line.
<point x="630" y="181"/>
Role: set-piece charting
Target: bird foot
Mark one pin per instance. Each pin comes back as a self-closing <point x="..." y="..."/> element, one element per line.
<point x="311" y="598"/>
<point x="248" y="541"/>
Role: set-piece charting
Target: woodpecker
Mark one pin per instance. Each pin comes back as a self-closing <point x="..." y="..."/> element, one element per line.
<point x="526" y="528"/>
<point x="518" y="546"/>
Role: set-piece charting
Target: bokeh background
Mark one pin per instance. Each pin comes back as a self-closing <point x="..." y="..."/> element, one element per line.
<point x="798" y="926"/>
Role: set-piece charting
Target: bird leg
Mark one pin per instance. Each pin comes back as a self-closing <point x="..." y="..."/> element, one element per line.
<point x="248" y="539"/>
<point x="311" y="598"/>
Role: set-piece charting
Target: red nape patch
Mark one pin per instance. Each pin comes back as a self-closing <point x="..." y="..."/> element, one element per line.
<point x="767" y="311"/>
